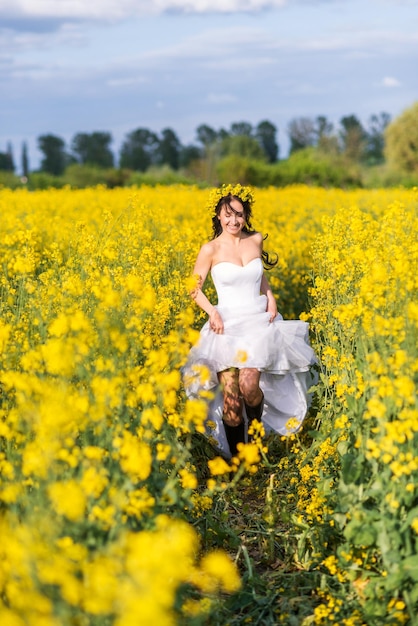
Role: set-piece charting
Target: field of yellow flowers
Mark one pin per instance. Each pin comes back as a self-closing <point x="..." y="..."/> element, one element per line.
<point x="113" y="509"/>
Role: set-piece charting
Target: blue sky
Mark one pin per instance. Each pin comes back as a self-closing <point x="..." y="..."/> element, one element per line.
<point x="69" y="66"/>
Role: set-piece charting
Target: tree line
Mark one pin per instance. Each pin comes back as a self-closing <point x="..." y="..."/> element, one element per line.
<point x="143" y="148"/>
<point x="319" y="152"/>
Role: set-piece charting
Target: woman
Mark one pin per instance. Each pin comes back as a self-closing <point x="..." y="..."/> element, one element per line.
<point x="258" y="364"/>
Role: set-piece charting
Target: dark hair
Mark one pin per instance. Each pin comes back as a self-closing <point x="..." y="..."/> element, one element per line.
<point x="247" y="228"/>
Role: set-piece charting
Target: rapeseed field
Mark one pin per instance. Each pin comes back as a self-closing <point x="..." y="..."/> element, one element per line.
<point x="114" y="509"/>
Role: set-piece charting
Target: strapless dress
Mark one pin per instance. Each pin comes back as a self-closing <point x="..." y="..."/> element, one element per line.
<point x="280" y="350"/>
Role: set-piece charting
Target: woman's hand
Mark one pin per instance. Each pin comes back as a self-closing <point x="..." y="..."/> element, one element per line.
<point x="271" y="308"/>
<point x="215" y="322"/>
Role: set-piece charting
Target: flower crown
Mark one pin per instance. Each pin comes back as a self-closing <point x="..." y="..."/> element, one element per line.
<point x="243" y="193"/>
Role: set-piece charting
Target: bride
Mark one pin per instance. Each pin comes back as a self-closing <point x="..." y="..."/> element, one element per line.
<point x="259" y="364"/>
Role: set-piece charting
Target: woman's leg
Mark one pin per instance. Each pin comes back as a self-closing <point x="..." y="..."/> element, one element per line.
<point x="249" y="385"/>
<point x="232" y="411"/>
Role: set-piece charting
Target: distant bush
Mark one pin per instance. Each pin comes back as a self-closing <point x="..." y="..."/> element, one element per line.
<point x="82" y="176"/>
<point x="10" y="180"/>
<point x="43" y="180"/>
<point x="240" y="169"/>
<point x="387" y="176"/>
<point x="313" y="167"/>
<point x="308" y="166"/>
<point x="159" y="175"/>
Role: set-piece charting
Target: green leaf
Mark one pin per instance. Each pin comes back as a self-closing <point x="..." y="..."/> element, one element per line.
<point x="412" y="514"/>
<point x="342" y="447"/>
<point x="361" y="534"/>
<point x="314" y="434"/>
<point x="413" y="594"/>
<point x="410" y="567"/>
<point x="351" y="468"/>
<point x="393" y="582"/>
<point x="340" y="519"/>
<point x="376" y="486"/>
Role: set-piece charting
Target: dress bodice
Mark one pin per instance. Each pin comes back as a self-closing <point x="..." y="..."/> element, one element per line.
<point x="237" y="285"/>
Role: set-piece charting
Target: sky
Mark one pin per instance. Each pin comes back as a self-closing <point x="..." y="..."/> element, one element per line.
<point x="70" y="66"/>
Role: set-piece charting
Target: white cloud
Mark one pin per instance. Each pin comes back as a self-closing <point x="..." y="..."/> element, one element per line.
<point x="119" y="9"/>
<point x="128" y="81"/>
<point x="26" y="40"/>
<point x="358" y="42"/>
<point x="221" y="98"/>
<point x="390" y="81"/>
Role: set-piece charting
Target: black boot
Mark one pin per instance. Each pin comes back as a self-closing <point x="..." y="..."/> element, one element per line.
<point x="254" y="413"/>
<point x="235" y="435"/>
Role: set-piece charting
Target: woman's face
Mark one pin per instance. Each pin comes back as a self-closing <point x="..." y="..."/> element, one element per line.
<point x="232" y="217"/>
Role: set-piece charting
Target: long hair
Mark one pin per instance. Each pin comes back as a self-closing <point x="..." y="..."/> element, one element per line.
<point x="268" y="262"/>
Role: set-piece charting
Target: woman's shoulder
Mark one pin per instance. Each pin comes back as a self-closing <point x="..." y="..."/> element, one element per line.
<point x="255" y="236"/>
<point x="207" y="250"/>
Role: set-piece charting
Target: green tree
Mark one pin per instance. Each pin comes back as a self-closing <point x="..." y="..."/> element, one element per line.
<point x="244" y="146"/>
<point x="93" y="148"/>
<point x="375" y="138"/>
<point x="10" y="153"/>
<point x="266" y="135"/>
<point x="401" y="141"/>
<point x="189" y="154"/>
<point x="353" y="138"/>
<point x="210" y="140"/>
<point x="206" y="135"/>
<point x="139" y="150"/>
<point x="326" y="141"/>
<point x="301" y="132"/>
<point x="25" y="160"/>
<point x="55" y="158"/>
<point x="6" y="160"/>
<point x="243" y="129"/>
<point x="169" y="148"/>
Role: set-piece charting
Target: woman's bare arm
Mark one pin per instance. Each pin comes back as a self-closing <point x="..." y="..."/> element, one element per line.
<point x="271" y="300"/>
<point x="200" y="271"/>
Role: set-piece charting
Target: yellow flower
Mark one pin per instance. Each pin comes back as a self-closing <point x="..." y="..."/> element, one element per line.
<point x="292" y="425"/>
<point x="100" y="584"/>
<point x="94" y="453"/>
<point x="140" y="502"/>
<point x="163" y="451"/>
<point x="218" y="466"/>
<point x="104" y="515"/>
<point x="94" y="481"/>
<point x="249" y="454"/>
<point x="10" y="493"/>
<point x="240" y="191"/>
<point x="241" y="356"/>
<point x="218" y="572"/>
<point x="11" y="618"/>
<point x="68" y="499"/>
<point x="188" y="480"/>
<point x="153" y="416"/>
<point x="135" y="457"/>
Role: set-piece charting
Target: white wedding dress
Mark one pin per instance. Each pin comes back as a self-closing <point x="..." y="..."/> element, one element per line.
<point x="280" y="350"/>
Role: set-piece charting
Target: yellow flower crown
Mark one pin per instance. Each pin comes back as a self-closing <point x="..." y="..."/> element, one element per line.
<point x="243" y="193"/>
